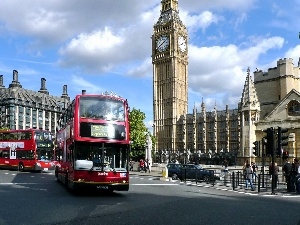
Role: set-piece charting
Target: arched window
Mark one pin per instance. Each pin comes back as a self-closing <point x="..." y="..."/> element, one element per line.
<point x="294" y="108"/>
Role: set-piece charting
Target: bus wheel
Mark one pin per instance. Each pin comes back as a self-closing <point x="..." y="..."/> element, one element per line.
<point x="56" y="175"/>
<point x="66" y="181"/>
<point x="21" y="167"/>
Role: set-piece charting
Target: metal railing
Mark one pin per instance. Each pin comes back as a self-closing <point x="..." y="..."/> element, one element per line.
<point x="197" y="175"/>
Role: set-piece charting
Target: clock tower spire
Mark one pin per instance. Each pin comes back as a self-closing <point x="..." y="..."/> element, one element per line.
<point x="170" y="76"/>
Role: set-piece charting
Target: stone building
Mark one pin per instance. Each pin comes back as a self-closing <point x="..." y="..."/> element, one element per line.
<point x="269" y="99"/>
<point x="278" y="95"/>
<point x="22" y="109"/>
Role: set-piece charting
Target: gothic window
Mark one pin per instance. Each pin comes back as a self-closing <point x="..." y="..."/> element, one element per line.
<point x="211" y="136"/>
<point x="233" y="123"/>
<point x="233" y="135"/>
<point x="222" y="136"/>
<point x="294" y="108"/>
<point x="200" y="137"/>
<point x="246" y="117"/>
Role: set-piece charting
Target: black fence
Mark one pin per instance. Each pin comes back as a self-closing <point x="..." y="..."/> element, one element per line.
<point x="262" y="182"/>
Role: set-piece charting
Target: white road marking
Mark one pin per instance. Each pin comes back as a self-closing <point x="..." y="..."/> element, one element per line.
<point x="154" y="184"/>
<point x="291" y="196"/>
<point x="17" y="183"/>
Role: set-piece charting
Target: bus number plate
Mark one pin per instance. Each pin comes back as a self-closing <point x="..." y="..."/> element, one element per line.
<point x="102" y="187"/>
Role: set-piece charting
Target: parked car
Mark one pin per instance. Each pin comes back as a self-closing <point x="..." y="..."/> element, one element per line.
<point x="174" y="170"/>
<point x="195" y="172"/>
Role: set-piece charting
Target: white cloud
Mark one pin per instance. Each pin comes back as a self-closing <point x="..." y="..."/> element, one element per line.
<point x="96" y="43"/>
<point x="294" y="54"/>
<point x="78" y="84"/>
<point x="219" y="72"/>
<point x="202" y="20"/>
<point x="99" y="43"/>
<point x="235" y="5"/>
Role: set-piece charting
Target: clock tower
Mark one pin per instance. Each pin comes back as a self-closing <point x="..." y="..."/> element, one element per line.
<point x="170" y="76"/>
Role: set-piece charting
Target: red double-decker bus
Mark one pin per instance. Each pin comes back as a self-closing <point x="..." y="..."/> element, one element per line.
<point x="93" y="143"/>
<point x="30" y="149"/>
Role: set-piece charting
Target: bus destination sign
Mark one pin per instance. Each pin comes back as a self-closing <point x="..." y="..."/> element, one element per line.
<point x="99" y="131"/>
<point x="44" y="145"/>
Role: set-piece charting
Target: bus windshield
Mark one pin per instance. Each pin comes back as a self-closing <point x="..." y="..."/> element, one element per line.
<point x="101" y="108"/>
<point x="100" y="157"/>
<point x="45" y="145"/>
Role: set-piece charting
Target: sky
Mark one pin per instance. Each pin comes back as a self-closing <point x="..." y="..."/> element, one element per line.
<point x="105" y="45"/>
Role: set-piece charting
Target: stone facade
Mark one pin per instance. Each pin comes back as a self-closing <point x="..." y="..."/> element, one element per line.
<point x="22" y="109"/>
<point x="270" y="99"/>
<point x="170" y="84"/>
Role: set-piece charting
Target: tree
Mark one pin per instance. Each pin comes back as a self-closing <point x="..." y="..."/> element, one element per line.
<point x="138" y="133"/>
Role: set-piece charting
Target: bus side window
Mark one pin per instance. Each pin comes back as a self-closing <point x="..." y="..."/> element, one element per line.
<point x="22" y="136"/>
<point x="5" y="154"/>
<point x="19" y="135"/>
<point x="13" y="136"/>
<point x="28" y="136"/>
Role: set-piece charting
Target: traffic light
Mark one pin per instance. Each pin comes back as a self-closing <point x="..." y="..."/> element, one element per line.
<point x="256" y="148"/>
<point x="285" y="155"/>
<point x="281" y="139"/>
<point x="270" y="141"/>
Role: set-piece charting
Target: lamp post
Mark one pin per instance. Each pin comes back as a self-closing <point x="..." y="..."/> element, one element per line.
<point x="148" y="149"/>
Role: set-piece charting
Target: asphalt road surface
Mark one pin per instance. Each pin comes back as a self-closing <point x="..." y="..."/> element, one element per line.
<point x="36" y="198"/>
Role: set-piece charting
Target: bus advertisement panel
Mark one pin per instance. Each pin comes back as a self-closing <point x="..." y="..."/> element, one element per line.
<point x="93" y="143"/>
<point x="30" y="150"/>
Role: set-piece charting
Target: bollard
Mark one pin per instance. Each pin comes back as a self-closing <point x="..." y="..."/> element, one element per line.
<point x="233" y="180"/>
<point x="258" y="185"/>
<point x="165" y="172"/>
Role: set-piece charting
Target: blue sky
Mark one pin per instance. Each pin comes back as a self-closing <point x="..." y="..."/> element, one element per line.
<point x="104" y="45"/>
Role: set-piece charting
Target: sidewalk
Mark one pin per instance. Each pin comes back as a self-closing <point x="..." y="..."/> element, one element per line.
<point x="157" y="172"/>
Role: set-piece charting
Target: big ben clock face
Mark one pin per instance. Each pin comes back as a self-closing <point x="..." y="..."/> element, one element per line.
<point x="181" y="43"/>
<point x="162" y="43"/>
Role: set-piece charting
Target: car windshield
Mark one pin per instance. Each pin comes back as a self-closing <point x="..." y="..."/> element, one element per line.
<point x="175" y="165"/>
<point x="198" y="167"/>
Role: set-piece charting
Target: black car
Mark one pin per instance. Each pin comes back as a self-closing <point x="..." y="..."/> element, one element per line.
<point x="195" y="172"/>
<point x="174" y="170"/>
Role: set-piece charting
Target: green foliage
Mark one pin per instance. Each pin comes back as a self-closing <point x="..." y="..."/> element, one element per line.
<point x="4" y="128"/>
<point x="138" y="134"/>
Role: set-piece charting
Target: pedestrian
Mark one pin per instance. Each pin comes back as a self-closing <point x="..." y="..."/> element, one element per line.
<point x="131" y="165"/>
<point x="146" y="165"/>
<point x="294" y="172"/>
<point x="254" y="170"/>
<point x="248" y="176"/>
<point x="226" y="165"/>
<point x="142" y="165"/>
<point x="286" y="169"/>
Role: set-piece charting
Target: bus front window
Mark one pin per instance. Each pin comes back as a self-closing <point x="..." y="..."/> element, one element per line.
<point x="101" y="158"/>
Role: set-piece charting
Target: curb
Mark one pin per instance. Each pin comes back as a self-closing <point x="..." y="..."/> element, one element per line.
<point x="218" y="186"/>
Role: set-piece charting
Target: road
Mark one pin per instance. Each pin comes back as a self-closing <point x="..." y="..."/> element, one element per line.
<point x="36" y="198"/>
